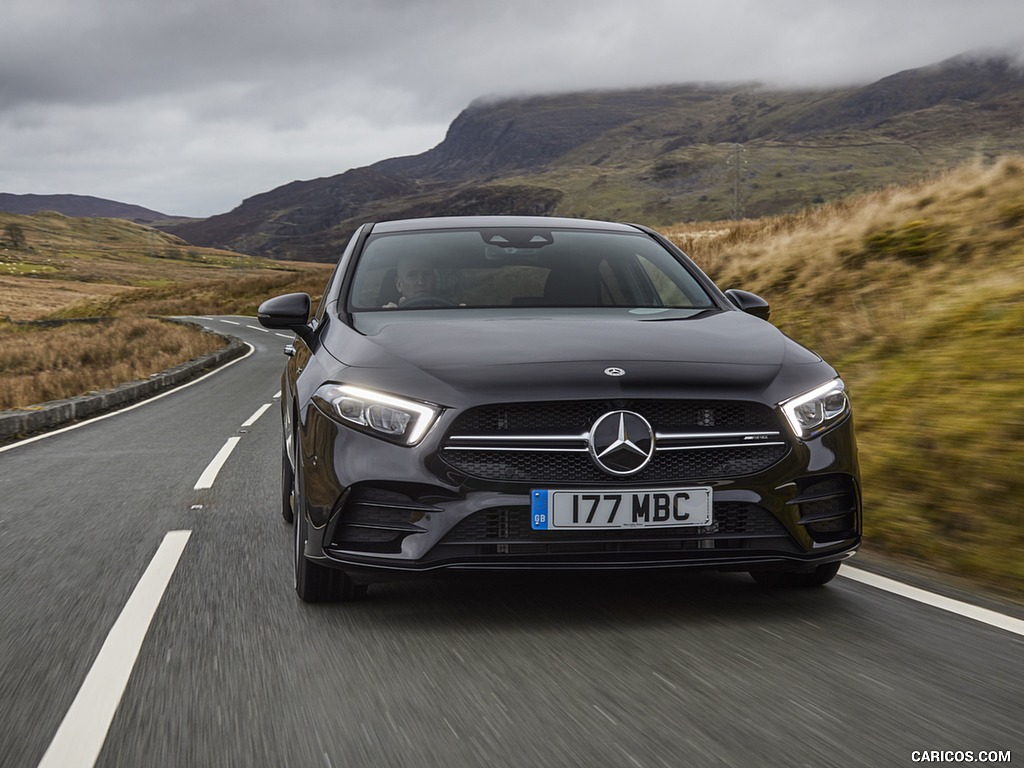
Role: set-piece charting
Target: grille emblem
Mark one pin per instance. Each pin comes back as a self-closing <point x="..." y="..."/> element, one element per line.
<point x="621" y="442"/>
<point x="614" y="372"/>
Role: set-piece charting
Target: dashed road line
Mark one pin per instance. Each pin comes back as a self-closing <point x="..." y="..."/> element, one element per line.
<point x="210" y="473"/>
<point x="259" y="412"/>
<point x="81" y="734"/>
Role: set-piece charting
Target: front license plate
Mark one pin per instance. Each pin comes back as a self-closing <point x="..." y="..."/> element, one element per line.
<point x="657" y="508"/>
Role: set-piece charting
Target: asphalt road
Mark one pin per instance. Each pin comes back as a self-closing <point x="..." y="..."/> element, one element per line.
<point x="233" y="670"/>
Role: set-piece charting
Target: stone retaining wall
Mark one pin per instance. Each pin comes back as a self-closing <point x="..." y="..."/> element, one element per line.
<point x="25" y="422"/>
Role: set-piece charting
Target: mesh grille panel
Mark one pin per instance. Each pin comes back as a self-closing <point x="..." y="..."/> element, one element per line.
<point x="551" y="467"/>
<point x="578" y="416"/>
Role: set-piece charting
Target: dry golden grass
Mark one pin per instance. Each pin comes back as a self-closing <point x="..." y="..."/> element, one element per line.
<point x="896" y="258"/>
<point x="38" y="364"/>
<point x="78" y="268"/>
<point x="916" y="294"/>
<point x="27" y="298"/>
<point x="238" y="295"/>
<point x="96" y="267"/>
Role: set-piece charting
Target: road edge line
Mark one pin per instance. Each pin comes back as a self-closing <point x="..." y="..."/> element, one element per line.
<point x="146" y="401"/>
<point x="960" y="608"/>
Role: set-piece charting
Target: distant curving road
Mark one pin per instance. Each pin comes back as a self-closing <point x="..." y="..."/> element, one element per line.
<point x="147" y="618"/>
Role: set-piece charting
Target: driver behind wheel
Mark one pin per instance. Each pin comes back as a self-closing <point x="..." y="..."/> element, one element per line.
<point x="416" y="278"/>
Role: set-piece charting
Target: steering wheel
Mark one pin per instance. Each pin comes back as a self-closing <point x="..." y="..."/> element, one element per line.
<point x="426" y="301"/>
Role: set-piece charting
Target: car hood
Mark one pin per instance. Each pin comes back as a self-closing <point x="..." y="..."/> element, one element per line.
<point x="447" y="354"/>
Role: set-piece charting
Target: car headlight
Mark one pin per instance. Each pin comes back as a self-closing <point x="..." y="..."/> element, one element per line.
<point x="815" y="411"/>
<point x="393" y="418"/>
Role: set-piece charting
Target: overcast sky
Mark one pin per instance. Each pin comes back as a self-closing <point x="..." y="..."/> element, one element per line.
<point x="189" y="106"/>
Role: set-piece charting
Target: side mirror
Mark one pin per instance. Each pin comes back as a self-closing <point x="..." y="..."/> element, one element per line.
<point x="750" y="303"/>
<point x="288" y="312"/>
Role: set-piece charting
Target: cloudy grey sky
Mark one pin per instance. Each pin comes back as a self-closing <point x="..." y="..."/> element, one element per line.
<point x="190" y="106"/>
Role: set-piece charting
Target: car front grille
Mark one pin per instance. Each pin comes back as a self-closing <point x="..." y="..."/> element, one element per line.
<point x="548" y="442"/>
<point x="580" y="414"/>
<point x="545" y="466"/>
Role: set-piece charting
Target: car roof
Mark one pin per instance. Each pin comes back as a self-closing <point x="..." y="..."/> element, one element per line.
<point x="471" y="222"/>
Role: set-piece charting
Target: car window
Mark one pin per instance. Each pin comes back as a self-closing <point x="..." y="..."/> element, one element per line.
<point x="520" y="268"/>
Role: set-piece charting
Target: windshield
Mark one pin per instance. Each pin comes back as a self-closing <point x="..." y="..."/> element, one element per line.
<point x="521" y="267"/>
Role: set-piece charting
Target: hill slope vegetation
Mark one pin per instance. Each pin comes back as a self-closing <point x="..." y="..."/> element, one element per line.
<point x="916" y="294"/>
<point x="54" y="268"/>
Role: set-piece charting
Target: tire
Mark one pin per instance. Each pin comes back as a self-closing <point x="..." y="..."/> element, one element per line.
<point x="315" y="583"/>
<point x="818" y="577"/>
<point x="287" y="487"/>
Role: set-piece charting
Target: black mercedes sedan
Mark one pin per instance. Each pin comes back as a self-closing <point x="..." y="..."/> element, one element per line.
<point x="551" y="394"/>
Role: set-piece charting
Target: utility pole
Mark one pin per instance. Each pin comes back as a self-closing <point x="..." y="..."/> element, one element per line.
<point x="738" y="160"/>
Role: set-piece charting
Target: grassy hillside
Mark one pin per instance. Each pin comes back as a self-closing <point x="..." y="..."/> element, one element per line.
<point x="917" y="295"/>
<point x="55" y="267"/>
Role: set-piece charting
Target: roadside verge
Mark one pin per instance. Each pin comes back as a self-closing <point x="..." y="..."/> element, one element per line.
<point x="26" y="422"/>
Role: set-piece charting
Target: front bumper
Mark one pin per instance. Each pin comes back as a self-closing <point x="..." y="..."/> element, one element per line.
<point x="380" y="509"/>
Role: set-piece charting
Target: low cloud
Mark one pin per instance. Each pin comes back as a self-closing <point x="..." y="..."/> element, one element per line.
<point x="190" y="107"/>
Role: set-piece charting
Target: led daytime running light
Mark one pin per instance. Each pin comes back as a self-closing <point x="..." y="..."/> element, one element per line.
<point x="812" y="411"/>
<point x="387" y="415"/>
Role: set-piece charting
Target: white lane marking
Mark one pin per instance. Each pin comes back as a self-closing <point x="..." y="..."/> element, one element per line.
<point x="259" y="412"/>
<point x="229" y="322"/>
<point x="258" y="328"/>
<point x="278" y="395"/>
<point x="139" y="404"/>
<point x="285" y="335"/>
<point x="210" y="473"/>
<point x="81" y="734"/>
<point x="984" y="615"/>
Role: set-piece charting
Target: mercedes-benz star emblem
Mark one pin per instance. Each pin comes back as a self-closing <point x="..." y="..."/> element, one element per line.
<point x="614" y="372"/>
<point x="621" y="442"/>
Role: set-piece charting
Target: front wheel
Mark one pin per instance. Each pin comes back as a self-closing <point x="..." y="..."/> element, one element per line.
<point x="315" y="583"/>
<point x="779" y="577"/>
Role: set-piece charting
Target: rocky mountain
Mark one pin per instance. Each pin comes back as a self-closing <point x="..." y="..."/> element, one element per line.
<point x="82" y="206"/>
<point x="656" y="156"/>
